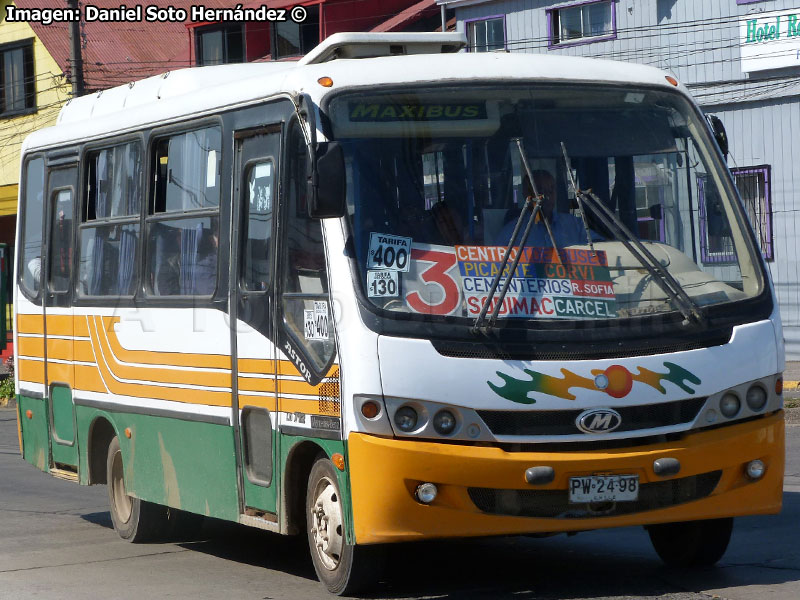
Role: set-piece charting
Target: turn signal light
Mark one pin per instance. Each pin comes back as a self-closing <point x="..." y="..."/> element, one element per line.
<point x="672" y="80"/>
<point x="370" y="409"/>
<point x="779" y="386"/>
<point x="338" y="461"/>
<point x="29" y="414"/>
<point x="325" y="81"/>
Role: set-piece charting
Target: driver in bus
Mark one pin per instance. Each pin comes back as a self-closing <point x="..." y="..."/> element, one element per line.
<point x="568" y="229"/>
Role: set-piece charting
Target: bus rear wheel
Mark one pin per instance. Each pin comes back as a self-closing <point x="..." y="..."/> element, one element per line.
<point x="691" y="543"/>
<point x="343" y="568"/>
<point x="134" y="520"/>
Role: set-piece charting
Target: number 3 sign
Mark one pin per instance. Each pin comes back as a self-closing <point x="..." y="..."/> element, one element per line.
<point x="434" y="288"/>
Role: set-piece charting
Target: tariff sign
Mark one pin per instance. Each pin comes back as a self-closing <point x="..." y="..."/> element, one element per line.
<point x="316" y="322"/>
<point x="383" y="284"/>
<point x="389" y="252"/>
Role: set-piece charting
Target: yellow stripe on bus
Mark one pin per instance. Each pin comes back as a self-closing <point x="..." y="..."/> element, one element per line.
<point x="189" y="396"/>
<point x="156" y="375"/>
<point x="87" y="378"/>
<point x="146" y="357"/>
<point x="30" y="324"/>
<point x="56" y="325"/>
<point x="33" y="347"/>
<point x="31" y="370"/>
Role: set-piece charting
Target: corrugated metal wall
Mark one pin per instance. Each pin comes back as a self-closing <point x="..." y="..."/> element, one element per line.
<point x="698" y="42"/>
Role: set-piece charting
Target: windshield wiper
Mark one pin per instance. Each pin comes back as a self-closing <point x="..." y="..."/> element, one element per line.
<point x="534" y="204"/>
<point x="579" y="200"/>
<point x="663" y="278"/>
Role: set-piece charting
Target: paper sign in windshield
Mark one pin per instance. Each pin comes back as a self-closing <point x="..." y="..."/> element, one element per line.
<point x="316" y="322"/>
<point x="383" y="284"/>
<point x="390" y="252"/>
<point x="575" y="284"/>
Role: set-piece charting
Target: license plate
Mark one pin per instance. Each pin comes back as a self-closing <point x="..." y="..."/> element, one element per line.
<point x="604" y="488"/>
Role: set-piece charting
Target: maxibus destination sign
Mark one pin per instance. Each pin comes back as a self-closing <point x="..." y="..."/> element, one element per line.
<point x="770" y="40"/>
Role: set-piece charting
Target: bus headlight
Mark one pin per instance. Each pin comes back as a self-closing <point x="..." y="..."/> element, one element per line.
<point x="444" y="422"/>
<point x="756" y="397"/>
<point x="729" y="405"/>
<point x="406" y="419"/>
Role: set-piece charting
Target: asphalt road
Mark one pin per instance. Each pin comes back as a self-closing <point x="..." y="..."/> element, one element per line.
<point x="56" y="542"/>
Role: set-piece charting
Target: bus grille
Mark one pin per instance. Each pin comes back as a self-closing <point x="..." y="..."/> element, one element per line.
<point x="554" y="504"/>
<point x="562" y="422"/>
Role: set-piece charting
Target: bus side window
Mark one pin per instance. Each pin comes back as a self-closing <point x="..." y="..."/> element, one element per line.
<point x="306" y="309"/>
<point x="61" y="241"/>
<point x="259" y="194"/>
<point x="182" y="250"/>
<point x="108" y="248"/>
<point x="32" y="214"/>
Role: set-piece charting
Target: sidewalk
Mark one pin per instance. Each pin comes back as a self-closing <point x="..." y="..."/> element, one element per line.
<point x="791" y="376"/>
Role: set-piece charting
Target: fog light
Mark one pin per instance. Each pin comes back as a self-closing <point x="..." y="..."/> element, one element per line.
<point x="370" y="409"/>
<point x="444" y="422"/>
<point x="729" y="405"/>
<point x="755" y="469"/>
<point x="426" y="492"/>
<point x="756" y="397"/>
<point x="405" y="418"/>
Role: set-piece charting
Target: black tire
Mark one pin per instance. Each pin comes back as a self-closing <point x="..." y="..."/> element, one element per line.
<point x="343" y="568"/>
<point x="134" y="520"/>
<point x="691" y="543"/>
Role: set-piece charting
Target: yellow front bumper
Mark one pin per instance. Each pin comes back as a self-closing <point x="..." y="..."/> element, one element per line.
<point x="385" y="472"/>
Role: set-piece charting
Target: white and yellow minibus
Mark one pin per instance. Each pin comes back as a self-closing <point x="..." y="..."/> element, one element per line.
<point x="396" y="291"/>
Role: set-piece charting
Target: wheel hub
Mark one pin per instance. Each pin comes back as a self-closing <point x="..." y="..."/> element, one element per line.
<point x="326" y="520"/>
<point x="122" y="502"/>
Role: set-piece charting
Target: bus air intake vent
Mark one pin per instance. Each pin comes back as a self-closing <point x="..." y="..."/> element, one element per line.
<point x="528" y="350"/>
<point x="554" y="504"/>
<point x="562" y="422"/>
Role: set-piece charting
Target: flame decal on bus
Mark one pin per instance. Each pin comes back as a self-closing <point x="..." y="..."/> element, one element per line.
<point x="616" y="381"/>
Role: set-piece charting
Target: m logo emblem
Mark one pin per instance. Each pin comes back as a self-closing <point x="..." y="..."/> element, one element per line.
<point x="598" y="420"/>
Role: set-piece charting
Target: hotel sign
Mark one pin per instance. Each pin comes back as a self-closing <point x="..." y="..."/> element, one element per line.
<point x="770" y="40"/>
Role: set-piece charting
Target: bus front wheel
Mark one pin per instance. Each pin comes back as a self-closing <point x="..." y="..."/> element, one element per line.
<point x="134" y="520"/>
<point x="343" y="568"/>
<point x="691" y="543"/>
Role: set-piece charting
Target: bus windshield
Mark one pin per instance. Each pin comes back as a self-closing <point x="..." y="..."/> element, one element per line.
<point x="437" y="183"/>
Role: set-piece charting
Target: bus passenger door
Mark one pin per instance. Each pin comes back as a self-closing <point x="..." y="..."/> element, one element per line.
<point x="59" y="330"/>
<point x="252" y="281"/>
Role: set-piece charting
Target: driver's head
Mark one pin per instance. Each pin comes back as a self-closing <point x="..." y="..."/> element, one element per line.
<point x="546" y="186"/>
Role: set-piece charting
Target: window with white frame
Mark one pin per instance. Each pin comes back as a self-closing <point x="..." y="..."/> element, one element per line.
<point x="585" y="22"/>
<point x="486" y="35"/>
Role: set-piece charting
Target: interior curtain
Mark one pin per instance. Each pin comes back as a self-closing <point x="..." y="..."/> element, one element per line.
<point x="190" y="242"/>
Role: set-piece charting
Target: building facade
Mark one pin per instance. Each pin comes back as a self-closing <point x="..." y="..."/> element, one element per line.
<point x="32" y="91"/>
<point x="739" y="58"/>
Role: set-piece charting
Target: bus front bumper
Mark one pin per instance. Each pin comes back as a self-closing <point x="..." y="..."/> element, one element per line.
<point x="711" y="483"/>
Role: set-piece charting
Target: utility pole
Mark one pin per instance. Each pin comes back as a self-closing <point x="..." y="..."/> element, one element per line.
<point x="75" y="54"/>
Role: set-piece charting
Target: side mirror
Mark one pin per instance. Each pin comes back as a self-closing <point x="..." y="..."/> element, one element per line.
<point x="718" y="129"/>
<point x="327" y="198"/>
